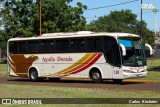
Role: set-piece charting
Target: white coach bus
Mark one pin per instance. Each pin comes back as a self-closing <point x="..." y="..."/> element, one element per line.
<point x="83" y="54"/>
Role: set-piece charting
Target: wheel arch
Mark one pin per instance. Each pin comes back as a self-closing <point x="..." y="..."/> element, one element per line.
<point x="97" y="69"/>
<point x="33" y="67"/>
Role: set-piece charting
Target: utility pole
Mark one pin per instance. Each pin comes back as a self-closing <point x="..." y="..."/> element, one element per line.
<point x="40" y="19"/>
<point x="141" y="20"/>
<point x="155" y="22"/>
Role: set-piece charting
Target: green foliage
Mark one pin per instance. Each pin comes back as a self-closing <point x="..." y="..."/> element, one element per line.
<point x="62" y="17"/>
<point x="3" y="45"/>
<point x="22" y="17"/>
<point x="122" y="21"/>
<point x="3" y="35"/>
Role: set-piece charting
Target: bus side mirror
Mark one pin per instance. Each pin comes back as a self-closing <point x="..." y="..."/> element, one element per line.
<point x="123" y="49"/>
<point x="150" y="48"/>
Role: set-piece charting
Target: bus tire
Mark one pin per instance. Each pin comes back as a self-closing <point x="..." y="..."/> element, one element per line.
<point x="117" y="81"/>
<point x="96" y="76"/>
<point x="33" y="75"/>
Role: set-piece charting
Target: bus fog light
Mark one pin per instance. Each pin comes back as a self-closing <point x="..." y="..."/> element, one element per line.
<point x="125" y="76"/>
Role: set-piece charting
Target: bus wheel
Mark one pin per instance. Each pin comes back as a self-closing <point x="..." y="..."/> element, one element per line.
<point x="33" y="75"/>
<point x="96" y="77"/>
<point x="117" y="81"/>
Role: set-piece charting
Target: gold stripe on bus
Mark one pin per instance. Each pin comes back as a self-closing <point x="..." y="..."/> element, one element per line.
<point x="83" y="59"/>
<point x="88" y="60"/>
<point x="12" y="65"/>
<point x="13" y="68"/>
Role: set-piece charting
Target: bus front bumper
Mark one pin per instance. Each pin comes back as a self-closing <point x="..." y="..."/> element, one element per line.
<point x="134" y="75"/>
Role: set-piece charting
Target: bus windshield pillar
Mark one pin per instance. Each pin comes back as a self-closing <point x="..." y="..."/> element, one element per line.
<point x="123" y="49"/>
<point x="150" y="48"/>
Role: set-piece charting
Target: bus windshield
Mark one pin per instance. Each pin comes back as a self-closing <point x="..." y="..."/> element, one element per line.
<point x="135" y="55"/>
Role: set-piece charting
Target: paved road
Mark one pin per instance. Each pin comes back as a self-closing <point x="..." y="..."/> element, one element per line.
<point x="107" y="85"/>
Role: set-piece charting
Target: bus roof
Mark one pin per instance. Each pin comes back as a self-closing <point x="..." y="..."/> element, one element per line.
<point x="76" y="34"/>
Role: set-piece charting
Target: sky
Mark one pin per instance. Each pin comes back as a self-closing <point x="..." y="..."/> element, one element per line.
<point x="148" y="16"/>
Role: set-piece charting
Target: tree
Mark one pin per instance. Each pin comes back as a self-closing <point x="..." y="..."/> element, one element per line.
<point x="121" y="21"/>
<point x="62" y="17"/>
<point x="21" y="17"/>
<point x="3" y="35"/>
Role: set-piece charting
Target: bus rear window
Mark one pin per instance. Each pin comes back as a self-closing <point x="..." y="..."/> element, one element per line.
<point x="13" y="47"/>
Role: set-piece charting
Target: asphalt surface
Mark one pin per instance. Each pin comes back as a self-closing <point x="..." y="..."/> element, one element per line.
<point x="129" y="85"/>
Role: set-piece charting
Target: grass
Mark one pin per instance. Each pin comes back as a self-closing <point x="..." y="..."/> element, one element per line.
<point x="29" y="91"/>
<point x="3" y="70"/>
<point x="151" y="62"/>
<point x="153" y="69"/>
<point x="22" y="91"/>
<point x="154" y="65"/>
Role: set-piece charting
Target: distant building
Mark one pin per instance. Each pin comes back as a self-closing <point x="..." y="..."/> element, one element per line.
<point x="157" y="40"/>
<point x="157" y="45"/>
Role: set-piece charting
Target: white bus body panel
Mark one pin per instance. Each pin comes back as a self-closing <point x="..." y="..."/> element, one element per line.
<point x="75" y="65"/>
<point x="72" y="65"/>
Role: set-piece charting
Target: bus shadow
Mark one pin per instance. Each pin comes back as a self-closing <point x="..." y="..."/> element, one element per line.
<point x="123" y="82"/>
<point x="26" y="80"/>
<point x="18" y="80"/>
<point x="131" y="83"/>
<point x="156" y="68"/>
<point x="104" y="82"/>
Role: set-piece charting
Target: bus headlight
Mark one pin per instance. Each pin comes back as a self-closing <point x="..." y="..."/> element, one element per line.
<point x="127" y="71"/>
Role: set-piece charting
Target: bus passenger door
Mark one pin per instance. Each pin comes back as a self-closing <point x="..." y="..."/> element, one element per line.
<point x="116" y="62"/>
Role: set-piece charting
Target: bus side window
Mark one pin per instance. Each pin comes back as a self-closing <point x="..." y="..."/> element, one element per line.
<point x="51" y="46"/>
<point x="44" y="46"/>
<point x="77" y="45"/>
<point x="81" y="44"/>
<point x="22" y="47"/>
<point x="94" y="44"/>
<point x="62" y="45"/>
<point x="90" y="44"/>
<point x="13" y="47"/>
<point x="97" y="44"/>
<point x="65" y="45"/>
<point x="33" y="46"/>
<point x="73" y="45"/>
<point x="59" y="45"/>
